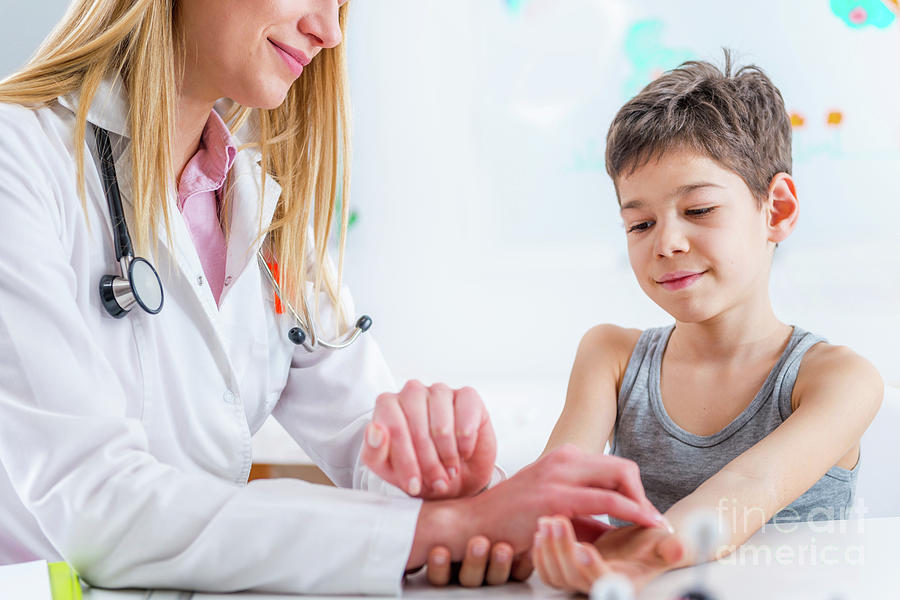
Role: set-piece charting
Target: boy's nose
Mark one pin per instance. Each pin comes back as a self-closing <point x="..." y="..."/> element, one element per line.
<point x="670" y="239"/>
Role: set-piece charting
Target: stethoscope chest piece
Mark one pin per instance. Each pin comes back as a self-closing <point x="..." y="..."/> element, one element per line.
<point x="142" y="287"/>
<point x="139" y="283"/>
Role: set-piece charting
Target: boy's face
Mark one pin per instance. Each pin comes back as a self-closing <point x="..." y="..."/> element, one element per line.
<point x="697" y="241"/>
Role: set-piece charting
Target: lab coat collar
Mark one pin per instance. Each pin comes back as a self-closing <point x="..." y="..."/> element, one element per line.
<point x="109" y="110"/>
<point x="109" y="107"/>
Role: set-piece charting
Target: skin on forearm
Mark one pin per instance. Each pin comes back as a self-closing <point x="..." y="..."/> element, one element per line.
<point x="740" y="505"/>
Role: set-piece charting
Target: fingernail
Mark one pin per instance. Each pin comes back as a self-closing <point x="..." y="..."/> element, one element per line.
<point x="583" y="556"/>
<point x="538" y="538"/>
<point x="479" y="550"/>
<point x="546" y="531"/>
<point x="439" y="559"/>
<point x="374" y="436"/>
<point x="451" y="472"/>
<point x="440" y="486"/>
<point x="664" y="522"/>
<point x="502" y="555"/>
<point x="558" y="530"/>
<point x="414" y="486"/>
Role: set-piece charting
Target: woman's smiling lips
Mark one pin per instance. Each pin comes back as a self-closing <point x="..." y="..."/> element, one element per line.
<point x="678" y="280"/>
<point x="293" y="58"/>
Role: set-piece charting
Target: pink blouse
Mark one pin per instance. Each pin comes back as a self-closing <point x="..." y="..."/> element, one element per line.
<point x="199" y="193"/>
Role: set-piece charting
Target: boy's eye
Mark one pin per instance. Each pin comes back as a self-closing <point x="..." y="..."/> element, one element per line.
<point x="642" y="226"/>
<point x="699" y="212"/>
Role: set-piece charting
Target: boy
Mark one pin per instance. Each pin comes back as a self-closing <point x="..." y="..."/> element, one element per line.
<point x="728" y="410"/>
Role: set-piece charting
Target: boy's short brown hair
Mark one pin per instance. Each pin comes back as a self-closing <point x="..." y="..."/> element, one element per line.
<point x="738" y="120"/>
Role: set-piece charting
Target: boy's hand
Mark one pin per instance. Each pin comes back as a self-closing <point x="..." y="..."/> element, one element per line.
<point x="431" y="442"/>
<point x="636" y="552"/>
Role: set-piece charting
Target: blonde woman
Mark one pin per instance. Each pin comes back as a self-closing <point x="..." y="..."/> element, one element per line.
<point x="133" y="374"/>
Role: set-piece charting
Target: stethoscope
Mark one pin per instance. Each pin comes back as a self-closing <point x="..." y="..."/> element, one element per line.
<point x="140" y="284"/>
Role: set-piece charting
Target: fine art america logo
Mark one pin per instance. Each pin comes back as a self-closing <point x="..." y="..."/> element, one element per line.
<point x="839" y="543"/>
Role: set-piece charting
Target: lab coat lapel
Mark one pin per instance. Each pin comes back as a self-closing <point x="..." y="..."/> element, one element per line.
<point x="242" y="276"/>
<point x="247" y="218"/>
<point x="226" y="332"/>
<point x="188" y="270"/>
<point x="109" y="109"/>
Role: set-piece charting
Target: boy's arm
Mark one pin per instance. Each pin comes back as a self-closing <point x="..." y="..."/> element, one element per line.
<point x="590" y="411"/>
<point x="837" y="394"/>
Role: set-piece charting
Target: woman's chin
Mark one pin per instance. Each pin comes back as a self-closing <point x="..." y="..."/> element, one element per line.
<point x="266" y="99"/>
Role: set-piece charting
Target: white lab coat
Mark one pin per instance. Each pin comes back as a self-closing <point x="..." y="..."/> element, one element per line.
<point x="126" y="444"/>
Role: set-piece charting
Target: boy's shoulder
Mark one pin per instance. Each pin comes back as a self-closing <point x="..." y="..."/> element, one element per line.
<point x="609" y="342"/>
<point x="828" y="369"/>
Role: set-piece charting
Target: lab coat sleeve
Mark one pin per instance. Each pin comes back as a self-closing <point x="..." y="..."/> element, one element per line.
<point x="85" y="470"/>
<point x="328" y="401"/>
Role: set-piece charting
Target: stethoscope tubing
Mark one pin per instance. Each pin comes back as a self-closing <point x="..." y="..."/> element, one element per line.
<point x="118" y="293"/>
<point x="312" y="340"/>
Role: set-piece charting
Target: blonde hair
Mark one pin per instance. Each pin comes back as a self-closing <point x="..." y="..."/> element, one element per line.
<point x="304" y="143"/>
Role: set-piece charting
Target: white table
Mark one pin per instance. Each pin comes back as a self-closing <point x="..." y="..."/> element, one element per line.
<point x="826" y="560"/>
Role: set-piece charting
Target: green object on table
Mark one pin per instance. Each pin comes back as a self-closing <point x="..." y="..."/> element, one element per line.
<point x="64" y="584"/>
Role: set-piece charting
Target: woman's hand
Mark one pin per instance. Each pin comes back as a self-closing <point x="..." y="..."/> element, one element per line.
<point x="638" y="553"/>
<point x="500" y="566"/>
<point x="568" y="481"/>
<point x="482" y="564"/>
<point x="431" y="442"/>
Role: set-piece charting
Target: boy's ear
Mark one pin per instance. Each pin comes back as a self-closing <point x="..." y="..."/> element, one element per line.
<point x="782" y="207"/>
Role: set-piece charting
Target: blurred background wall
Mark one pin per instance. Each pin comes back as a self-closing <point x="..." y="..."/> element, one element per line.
<point x="486" y="238"/>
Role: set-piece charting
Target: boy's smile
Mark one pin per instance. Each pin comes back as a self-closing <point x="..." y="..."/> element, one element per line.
<point x="678" y="280"/>
<point x="698" y="240"/>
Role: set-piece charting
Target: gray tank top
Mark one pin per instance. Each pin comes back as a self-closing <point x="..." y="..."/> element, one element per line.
<point x="674" y="462"/>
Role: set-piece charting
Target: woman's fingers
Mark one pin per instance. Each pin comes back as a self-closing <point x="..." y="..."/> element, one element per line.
<point x="522" y="567"/>
<point x="500" y="565"/>
<point x="413" y="401"/>
<point x="376" y="451"/>
<point x="403" y="463"/>
<point x="607" y="473"/>
<point x="597" y="501"/>
<point x="471" y="573"/>
<point x="439" y="566"/>
<point x="442" y="427"/>
<point x="441" y="441"/>
<point x="478" y="566"/>
<point x="470" y="414"/>
<point x="588" y="529"/>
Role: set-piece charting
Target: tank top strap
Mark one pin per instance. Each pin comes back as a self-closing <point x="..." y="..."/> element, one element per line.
<point x="783" y="389"/>
<point x="651" y="343"/>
